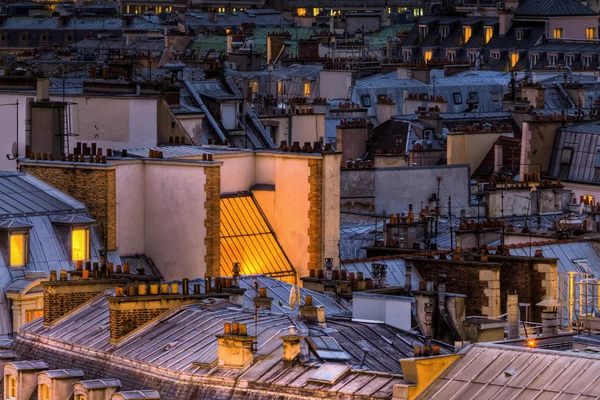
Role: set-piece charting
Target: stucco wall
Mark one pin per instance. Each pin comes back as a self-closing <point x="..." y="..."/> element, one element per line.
<point x="130" y="208"/>
<point x="396" y="188"/>
<point x="307" y="128"/>
<point x="335" y="84"/>
<point x="573" y="27"/>
<point x="8" y="133"/>
<point x="174" y="218"/>
<point x="238" y="172"/>
<point x="471" y="148"/>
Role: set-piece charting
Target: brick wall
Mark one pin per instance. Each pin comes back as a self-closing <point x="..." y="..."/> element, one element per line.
<point x="530" y="278"/>
<point x="212" y="223"/>
<point x="58" y="304"/>
<point x="479" y="281"/>
<point x="315" y="214"/>
<point x="124" y="321"/>
<point x="94" y="186"/>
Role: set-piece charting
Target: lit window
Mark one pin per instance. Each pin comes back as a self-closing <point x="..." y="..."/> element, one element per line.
<point x="466" y="34"/>
<point x="488" y="34"/>
<point x="44" y="392"/>
<point x="514" y="59"/>
<point x="302" y="12"/>
<point x="80" y="397"/>
<point x="18" y="249"/>
<point x="558" y="32"/>
<point x="80" y="239"/>
<point x="306" y="89"/>
<point x="400" y="9"/>
<point x="590" y="33"/>
<point x="254" y="86"/>
<point x="33" y="314"/>
<point x="427" y="56"/>
<point x="12" y="386"/>
<point x="317" y="11"/>
<point x="418" y="12"/>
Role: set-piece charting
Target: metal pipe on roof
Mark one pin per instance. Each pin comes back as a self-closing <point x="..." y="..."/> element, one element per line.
<point x="564" y="93"/>
<point x="203" y="107"/>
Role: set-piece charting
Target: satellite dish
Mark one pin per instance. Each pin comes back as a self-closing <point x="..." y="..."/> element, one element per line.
<point x="14" y="150"/>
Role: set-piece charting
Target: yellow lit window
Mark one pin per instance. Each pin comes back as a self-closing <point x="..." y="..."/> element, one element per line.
<point x="44" y="392"/>
<point x="80" y="397"/>
<point x="400" y="9"/>
<point x="18" y="249"/>
<point x="428" y="55"/>
<point x="590" y="33"/>
<point x="514" y="59"/>
<point x="317" y="11"/>
<point x="466" y="33"/>
<point x="254" y="86"/>
<point x="12" y="386"/>
<point x="280" y="87"/>
<point x="302" y="12"/>
<point x="33" y="314"/>
<point x="588" y="199"/>
<point x="558" y="33"/>
<point x="128" y="9"/>
<point x="488" y="33"/>
<point x="80" y="239"/>
<point x="418" y="12"/>
<point x="307" y="89"/>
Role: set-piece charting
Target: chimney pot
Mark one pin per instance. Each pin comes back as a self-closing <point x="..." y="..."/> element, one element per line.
<point x="243" y="330"/>
<point x="125" y="268"/>
<point x="227" y="328"/>
<point x="85" y="274"/>
<point x="417" y="351"/>
<point x="119" y="269"/>
<point x="185" y="283"/>
<point x="131" y="290"/>
<point x="196" y="288"/>
<point x="235" y="328"/>
<point x="111" y="267"/>
<point x="308" y="301"/>
<point x="175" y="288"/>
<point x="79" y="265"/>
<point x="154" y="288"/>
<point x="164" y="288"/>
<point x="52" y="276"/>
<point x="263" y="292"/>
<point x="142" y="289"/>
<point x="119" y="291"/>
<point x="64" y="275"/>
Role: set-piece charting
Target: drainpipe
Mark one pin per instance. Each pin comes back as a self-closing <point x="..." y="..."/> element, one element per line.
<point x="203" y="107"/>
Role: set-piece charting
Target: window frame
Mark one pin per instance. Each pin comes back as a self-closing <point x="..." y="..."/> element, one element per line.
<point x="30" y="315"/>
<point x="365" y="101"/>
<point x="569" y="151"/>
<point x="486" y="30"/>
<point x="467" y="37"/>
<point x="25" y="250"/>
<point x="86" y="230"/>
<point x="455" y="96"/>
<point x="306" y="92"/>
<point x="11" y="387"/>
<point x="44" y="392"/>
<point x="588" y="31"/>
<point x="557" y="33"/>
<point x="426" y="53"/>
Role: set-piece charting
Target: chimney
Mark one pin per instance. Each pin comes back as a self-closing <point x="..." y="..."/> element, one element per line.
<point x="262" y="300"/>
<point x="62" y="297"/>
<point x="291" y="347"/>
<point x="43" y="89"/>
<point x="235" y="346"/>
<point x="385" y="109"/>
<point x="135" y="306"/>
<point x="307" y="311"/>
<point x="512" y="307"/>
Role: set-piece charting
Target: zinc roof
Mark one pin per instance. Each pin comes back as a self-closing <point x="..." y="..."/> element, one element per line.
<point x="487" y="371"/>
<point x="64" y="373"/>
<point x="553" y="8"/>
<point x="100" y="383"/>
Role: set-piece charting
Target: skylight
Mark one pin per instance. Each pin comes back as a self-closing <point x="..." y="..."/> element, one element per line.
<point x="329" y="373"/>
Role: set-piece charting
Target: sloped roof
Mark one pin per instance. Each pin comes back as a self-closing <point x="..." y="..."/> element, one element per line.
<point x="553" y="8"/>
<point x="487" y="371"/>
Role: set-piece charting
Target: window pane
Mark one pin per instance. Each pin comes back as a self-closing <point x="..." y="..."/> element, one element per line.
<point x="79" y="244"/>
<point x="307" y="89"/>
<point x="17" y="249"/>
<point x="566" y="156"/>
<point x="33" y="314"/>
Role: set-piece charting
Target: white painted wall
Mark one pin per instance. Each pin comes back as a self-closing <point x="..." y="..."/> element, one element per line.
<point x="238" y="172"/>
<point x="130" y="208"/>
<point x="174" y="218"/>
<point x="393" y="310"/>
<point x="308" y="128"/>
<point x="113" y="122"/>
<point x="8" y="127"/>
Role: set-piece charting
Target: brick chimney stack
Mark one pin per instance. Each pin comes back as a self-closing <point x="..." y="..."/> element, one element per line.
<point x="235" y="346"/>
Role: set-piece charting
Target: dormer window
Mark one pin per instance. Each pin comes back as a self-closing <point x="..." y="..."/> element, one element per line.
<point x="558" y="33"/>
<point x="533" y="59"/>
<point x="552" y="58"/>
<point x="587" y="60"/>
<point x="80" y="244"/>
<point x="444" y="30"/>
<point x="495" y="54"/>
<point x="254" y="86"/>
<point x="590" y="33"/>
<point x="423" y="31"/>
<point x="74" y="232"/>
<point x="450" y="55"/>
<point x="519" y="35"/>
<point x="488" y="32"/>
<point x="514" y="59"/>
<point x="427" y="55"/>
<point x="306" y="89"/>
<point x="80" y="397"/>
<point x="569" y="60"/>
<point x="467" y="32"/>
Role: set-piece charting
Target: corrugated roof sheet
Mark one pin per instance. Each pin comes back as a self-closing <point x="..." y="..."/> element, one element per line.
<point x="247" y="238"/>
<point x="547" y="8"/>
<point x="486" y="371"/>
